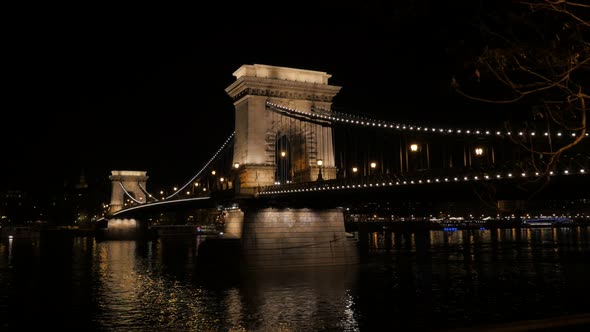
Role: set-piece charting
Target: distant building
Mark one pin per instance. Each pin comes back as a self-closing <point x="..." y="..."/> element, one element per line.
<point x="15" y="206"/>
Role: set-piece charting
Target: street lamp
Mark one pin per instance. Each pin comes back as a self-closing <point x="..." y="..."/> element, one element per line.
<point x="478" y="151"/>
<point x="236" y="165"/>
<point x="414" y="147"/>
<point x="320" y="163"/>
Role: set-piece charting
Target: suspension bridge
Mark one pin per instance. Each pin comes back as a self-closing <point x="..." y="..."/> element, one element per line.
<point x="289" y="144"/>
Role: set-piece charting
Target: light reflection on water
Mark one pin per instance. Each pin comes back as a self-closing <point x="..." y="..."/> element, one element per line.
<point x="413" y="281"/>
<point x="137" y="291"/>
<point x="468" y="277"/>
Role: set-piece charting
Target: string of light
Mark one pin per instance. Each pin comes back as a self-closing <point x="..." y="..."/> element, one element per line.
<point x="323" y="114"/>
<point x="284" y="189"/>
<point x="160" y="203"/>
<point x="223" y="146"/>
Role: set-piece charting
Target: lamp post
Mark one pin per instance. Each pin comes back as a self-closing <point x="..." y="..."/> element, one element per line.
<point x="479" y="156"/>
<point x="283" y="168"/>
<point x="320" y="163"/>
<point x="416" y="157"/>
<point x="236" y="177"/>
<point x="373" y="166"/>
<point x="212" y="182"/>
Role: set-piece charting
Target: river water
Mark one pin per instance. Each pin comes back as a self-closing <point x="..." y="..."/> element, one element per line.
<point x="432" y="280"/>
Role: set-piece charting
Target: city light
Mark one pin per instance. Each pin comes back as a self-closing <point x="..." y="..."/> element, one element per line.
<point x="478" y="151"/>
<point x="413" y="148"/>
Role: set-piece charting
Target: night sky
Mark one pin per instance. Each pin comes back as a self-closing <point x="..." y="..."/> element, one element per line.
<point x="103" y="85"/>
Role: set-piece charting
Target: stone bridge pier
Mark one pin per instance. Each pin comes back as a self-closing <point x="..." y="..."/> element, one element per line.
<point x="130" y="181"/>
<point x="259" y="131"/>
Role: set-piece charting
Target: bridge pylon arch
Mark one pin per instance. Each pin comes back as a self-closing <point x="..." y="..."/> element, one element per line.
<point x="130" y="181"/>
<point x="257" y="129"/>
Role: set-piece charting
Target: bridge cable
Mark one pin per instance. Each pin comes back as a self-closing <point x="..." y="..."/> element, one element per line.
<point x="223" y="146"/>
<point x="129" y="195"/>
<point x="146" y="192"/>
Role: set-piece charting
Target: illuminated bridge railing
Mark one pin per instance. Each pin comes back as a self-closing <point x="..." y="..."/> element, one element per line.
<point x="177" y="199"/>
<point x="384" y="181"/>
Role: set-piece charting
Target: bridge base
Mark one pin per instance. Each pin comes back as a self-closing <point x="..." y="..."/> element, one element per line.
<point x="122" y="229"/>
<point x="292" y="237"/>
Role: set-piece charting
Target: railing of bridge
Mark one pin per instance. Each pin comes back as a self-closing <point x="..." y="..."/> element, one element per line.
<point x="419" y="178"/>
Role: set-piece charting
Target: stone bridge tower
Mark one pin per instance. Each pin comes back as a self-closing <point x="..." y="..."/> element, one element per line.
<point x="132" y="181"/>
<point x="257" y="130"/>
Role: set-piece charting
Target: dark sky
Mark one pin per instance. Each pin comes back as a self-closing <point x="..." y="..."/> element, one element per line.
<point x="98" y="86"/>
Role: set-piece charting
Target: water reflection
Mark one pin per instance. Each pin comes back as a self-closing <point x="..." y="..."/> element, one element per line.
<point x="463" y="277"/>
<point x="299" y="299"/>
<point x="572" y="238"/>
<point x="406" y="281"/>
<point x="157" y="285"/>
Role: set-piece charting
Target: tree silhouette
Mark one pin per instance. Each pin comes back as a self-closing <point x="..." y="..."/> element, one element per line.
<point x="536" y="60"/>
